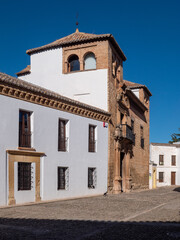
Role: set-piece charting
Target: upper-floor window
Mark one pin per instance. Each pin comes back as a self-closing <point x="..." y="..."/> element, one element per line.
<point x="73" y="63"/>
<point x="24" y="129"/>
<point x="173" y="160"/>
<point x="89" y="61"/>
<point x="92" y="139"/>
<point x="142" y="136"/>
<point x="62" y="138"/>
<point x="161" y="159"/>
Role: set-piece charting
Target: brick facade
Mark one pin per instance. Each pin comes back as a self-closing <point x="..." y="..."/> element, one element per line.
<point x="128" y="164"/>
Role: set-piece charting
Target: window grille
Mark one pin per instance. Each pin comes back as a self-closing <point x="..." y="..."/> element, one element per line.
<point x="92" y="177"/>
<point x="63" y="178"/>
<point x="161" y="159"/>
<point x="92" y="141"/>
<point x="62" y="139"/>
<point x="24" y="176"/>
<point x="173" y="160"/>
<point x="161" y="176"/>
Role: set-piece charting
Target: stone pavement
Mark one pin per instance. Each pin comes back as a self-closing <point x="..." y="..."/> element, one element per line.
<point x="150" y="214"/>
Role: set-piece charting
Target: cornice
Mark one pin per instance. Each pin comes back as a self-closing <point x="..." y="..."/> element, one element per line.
<point x="53" y="102"/>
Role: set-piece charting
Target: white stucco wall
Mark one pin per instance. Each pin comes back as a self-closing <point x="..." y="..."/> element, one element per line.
<point x="86" y="86"/>
<point x="45" y="139"/>
<point x="167" y="151"/>
<point x="136" y="92"/>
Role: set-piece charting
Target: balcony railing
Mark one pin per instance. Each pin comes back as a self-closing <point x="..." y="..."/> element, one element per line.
<point x="127" y="133"/>
<point x="25" y="139"/>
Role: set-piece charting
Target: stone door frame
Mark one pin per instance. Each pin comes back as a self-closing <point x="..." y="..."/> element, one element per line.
<point x="23" y="156"/>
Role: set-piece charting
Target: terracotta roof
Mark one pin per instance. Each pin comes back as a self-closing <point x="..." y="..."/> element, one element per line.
<point x="25" y="71"/>
<point x="9" y="80"/>
<point x="76" y="38"/>
<point x="132" y="85"/>
<point x="166" y="144"/>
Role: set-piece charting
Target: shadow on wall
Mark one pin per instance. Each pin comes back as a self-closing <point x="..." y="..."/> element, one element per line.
<point x="43" y="229"/>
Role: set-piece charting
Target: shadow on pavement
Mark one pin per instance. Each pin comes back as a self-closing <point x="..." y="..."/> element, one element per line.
<point x="177" y="189"/>
<point x="43" y="229"/>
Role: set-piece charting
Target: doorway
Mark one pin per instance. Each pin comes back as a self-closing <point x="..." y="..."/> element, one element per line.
<point x="173" y="178"/>
<point x="122" y="170"/>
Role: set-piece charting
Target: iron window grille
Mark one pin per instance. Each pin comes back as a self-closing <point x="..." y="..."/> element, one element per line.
<point x="161" y="176"/>
<point x="62" y="139"/>
<point x="92" y="178"/>
<point x="92" y="141"/>
<point x="173" y="160"/>
<point x="161" y="160"/>
<point x="63" y="178"/>
<point x="24" y="176"/>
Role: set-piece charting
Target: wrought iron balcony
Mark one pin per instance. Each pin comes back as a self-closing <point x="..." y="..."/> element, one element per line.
<point x="25" y="138"/>
<point x="127" y="133"/>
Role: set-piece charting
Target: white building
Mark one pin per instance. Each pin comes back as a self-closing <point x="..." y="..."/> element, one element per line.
<point x="51" y="147"/>
<point x="164" y="164"/>
<point x="68" y="123"/>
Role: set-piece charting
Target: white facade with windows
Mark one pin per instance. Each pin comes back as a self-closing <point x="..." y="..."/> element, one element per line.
<point x="166" y="159"/>
<point x="75" y="158"/>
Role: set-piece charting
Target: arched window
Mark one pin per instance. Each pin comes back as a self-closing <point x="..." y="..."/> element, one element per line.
<point x="74" y="64"/>
<point x="89" y="61"/>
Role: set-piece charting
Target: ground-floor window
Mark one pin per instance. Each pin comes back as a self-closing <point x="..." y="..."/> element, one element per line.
<point x="63" y="178"/>
<point x="92" y="176"/>
<point x="24" y="176"/>
<point x="161" y="176"/>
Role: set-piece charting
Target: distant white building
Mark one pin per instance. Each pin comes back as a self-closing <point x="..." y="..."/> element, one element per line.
<point x="164" y="164"/>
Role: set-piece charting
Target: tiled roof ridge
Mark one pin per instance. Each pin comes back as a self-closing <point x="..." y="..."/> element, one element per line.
<point x="132" y="85"/>
<point x="35" y="88"/>
<point x="72" y="38"/>
<point x="24" y="71"/>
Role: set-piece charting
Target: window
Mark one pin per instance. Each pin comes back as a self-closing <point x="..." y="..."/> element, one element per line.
<point x="132" y="125"/>
<point x="142" y="136"/>
<point x="161" y="177"/>
<point x="63" y="177"/>
<point x="62" y="139"/>
<point x="173" y="160"/>
<point x="89" y="61"/>
<point x="74" y="64"/>
<point x="24" y="176"/>
<point x="161" y="159"/>
<point x="92" y="142"/>
<point x="92" y="177"/>
<point x="24" y="129"/>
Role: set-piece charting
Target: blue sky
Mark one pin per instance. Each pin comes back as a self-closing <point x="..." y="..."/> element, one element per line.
<point x="147" y="31"/>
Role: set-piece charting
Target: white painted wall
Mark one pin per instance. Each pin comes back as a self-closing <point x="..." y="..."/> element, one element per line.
<point x="167" y="151"/>
<point x="87" y="86"/>
<point x="136" y="92"/>
<point x="45" y="139"/>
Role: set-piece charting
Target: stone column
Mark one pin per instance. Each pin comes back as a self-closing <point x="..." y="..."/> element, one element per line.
<point x="127" y="172"/>
<point x="117" y="178"/>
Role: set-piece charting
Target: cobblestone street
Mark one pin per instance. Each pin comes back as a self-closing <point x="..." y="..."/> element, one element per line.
<point x="150" y="214"/>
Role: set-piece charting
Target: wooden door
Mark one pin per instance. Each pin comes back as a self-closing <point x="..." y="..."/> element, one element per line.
<point x="173" y="178"/>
